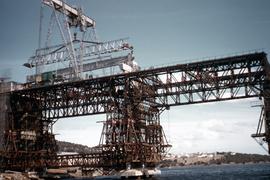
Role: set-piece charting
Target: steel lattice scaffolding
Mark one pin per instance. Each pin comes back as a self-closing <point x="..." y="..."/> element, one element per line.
<point x="132" y="134"/>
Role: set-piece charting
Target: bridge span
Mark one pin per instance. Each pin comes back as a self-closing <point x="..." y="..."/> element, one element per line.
<point x="132" y="134"/>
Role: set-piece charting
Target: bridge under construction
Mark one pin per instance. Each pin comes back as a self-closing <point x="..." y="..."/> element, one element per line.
<point x="132" y="100"/>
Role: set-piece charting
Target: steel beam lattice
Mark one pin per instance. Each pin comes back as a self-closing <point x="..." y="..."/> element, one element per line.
<point x="216" y="80"/>
<point x="133" y="102"/>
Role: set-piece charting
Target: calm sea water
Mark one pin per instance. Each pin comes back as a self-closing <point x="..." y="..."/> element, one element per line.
<point x="224" y="172"/>
<point x="216" y="172"/>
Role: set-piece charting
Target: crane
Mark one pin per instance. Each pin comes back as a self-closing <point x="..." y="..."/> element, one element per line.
<point x="79" y="48"/>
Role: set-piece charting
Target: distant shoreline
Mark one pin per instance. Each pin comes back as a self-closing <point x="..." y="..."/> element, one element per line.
<point x="224" y="158"/>
<point x="222" y="164"/>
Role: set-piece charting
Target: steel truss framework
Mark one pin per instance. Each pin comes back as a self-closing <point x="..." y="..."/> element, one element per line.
<point x="132" y="134"/>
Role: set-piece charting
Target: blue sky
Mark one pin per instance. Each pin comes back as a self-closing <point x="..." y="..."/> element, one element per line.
<point x="162" y="32"/>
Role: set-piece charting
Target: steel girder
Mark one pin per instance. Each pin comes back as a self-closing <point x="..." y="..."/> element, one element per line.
<point x="220" y="79"/>
<point x="147" y="92"/>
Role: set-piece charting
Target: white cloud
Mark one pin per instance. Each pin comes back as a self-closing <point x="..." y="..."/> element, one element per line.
<point x="212" y="135"/>
<point x="89" y="136"/>
<point x="82" y="130"/>
<point x="223" y="127"/>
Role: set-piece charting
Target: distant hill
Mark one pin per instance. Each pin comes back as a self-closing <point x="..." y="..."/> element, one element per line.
<point x="214" y="158"/>
<point x="72" y="147"/>
<point x="217" y="158"/>
<point x="245" y="158"/>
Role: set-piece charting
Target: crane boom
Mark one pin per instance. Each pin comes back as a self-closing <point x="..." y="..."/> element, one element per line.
<point x="61" y="54"/>
<point x="75" y="15"/>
